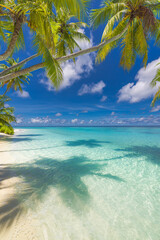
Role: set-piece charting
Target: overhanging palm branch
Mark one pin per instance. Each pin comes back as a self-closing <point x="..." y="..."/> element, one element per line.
<point x="140" y="15"/>
<point x="39" y="16"/>
<point x="16" y="83"/>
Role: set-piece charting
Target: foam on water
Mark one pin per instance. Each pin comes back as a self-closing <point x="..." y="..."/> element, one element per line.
<point x="81" y="184"/>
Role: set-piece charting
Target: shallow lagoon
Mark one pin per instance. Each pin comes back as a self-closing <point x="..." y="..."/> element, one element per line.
<point x="80" y="184"/>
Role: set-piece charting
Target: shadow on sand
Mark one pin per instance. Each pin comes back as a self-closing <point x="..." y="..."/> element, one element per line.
<point x="19" y="138"/>
<point x="42" y="175"/>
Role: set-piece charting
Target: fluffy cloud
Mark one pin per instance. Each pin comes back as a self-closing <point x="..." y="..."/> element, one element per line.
<point x="134" y="121"/>
<point x="73" y="71"/>
<point x="6" y="105"/>
<point x="82" y="122"/>
<point x="41" y="120"/>
<point x="74" y="120"/>
<point x="155" y="109"/>
<point x="136" y="92"/>
<point x="19" y="120"/>
<point x="91" y="89"/>
<point x="58" y="114"/>
<point x="90" y="121"/>
<point x="23" y="94"/>
<point x="47" y="121"/>
<point x="103" y="99"/>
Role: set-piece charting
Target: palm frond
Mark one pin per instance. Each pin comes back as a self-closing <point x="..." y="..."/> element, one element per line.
<point x="128" y="53"/>
<point x="101" y="15"/>
<point x="111" y="22"/>
<point x="103" y="52"/>
<point x="156" y="97"/>
<point x="53" y="68"/>
<point x="141" y="45"/>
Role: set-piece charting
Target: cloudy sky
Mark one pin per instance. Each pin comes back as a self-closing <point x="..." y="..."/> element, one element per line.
<point x="90" y="94"/>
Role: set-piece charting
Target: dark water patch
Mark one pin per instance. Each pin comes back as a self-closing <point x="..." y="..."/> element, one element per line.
<point x="151" y="154"/>
<point x="91" y="143"/>
<point x="113" y="177"/>
<point x="30" y="149"/>
<point x="31" y="135"/>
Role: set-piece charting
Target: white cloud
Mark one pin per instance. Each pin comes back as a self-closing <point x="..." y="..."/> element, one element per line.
<point x="58" y="114"/>
<point x="40" y="120"/>
<point x="46" y="82"/>
<point x="82" y="122"/>
<point x="23" y="94"/>
<point x="101" y="106"/>
<point x="103" y="99"/>
<point x="155" y="109"/>
<point x="91" y="89"/>
<point x="85" y="111"/>
<point x="136" y="92"/>
<point x="74" y="120"/>
<point x="90" y="121"/>
<point x="19" y="120"/>
<point x="63" y="121"/>
<point x="6" y="105"/>
<point x="73" y="71"/>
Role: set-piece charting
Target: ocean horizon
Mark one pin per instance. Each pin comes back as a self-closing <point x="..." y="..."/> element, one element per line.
<point x="80" y="183"/>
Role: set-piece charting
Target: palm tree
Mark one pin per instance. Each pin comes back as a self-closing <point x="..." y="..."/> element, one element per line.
<point x="16" y="83"/>
<point x="153" y="83"/>
<point x="129" y="23"/>
<point x="34" y="12"/>
<point x="53" y="32"/>
<point x="6" y="116"/>
<point x="138" y="17"/>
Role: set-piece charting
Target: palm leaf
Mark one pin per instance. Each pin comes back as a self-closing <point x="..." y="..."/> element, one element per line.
<point x="53" y="68"/>
<point x="156" y="97"/>
<point x="128" y="53"/>
<point x="103" y="52"/>
<point x="101" y="15"/>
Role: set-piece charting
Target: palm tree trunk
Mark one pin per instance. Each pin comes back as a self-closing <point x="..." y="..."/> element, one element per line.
<point x="21" y="72"/>
<point x="18" y="64"/>
<point x="17" y="28"/>
<point x="64" y="58"/>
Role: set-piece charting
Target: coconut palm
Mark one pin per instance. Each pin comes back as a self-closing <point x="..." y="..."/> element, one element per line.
<point x="138" y="17"/>
<point x="6" y="116"/>
<point x="37" y="13"/>
<point x="129" y="23"/>
<point x="16" y="83"/>
<point x="68" y="33"/>
<point x="52" y="31"/>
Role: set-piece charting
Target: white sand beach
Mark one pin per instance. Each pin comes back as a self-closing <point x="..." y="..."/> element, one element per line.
<point x="22" y="227"/>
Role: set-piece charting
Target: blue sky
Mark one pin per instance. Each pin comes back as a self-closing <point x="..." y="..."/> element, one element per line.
<point x="91" y="94"/>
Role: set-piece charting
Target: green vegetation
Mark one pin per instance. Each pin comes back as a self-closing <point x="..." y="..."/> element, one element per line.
<point x="139" y="20"/>
<point x="16" y="83"/>
<point x="56" y="28"/>
<point x="153" y="83"/>
<point x="6" y="116"/>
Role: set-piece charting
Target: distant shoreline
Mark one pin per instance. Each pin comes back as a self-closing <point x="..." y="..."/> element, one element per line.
<point x="107" y="126"/>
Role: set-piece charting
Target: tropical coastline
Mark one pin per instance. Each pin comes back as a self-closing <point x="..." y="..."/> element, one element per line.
<point x="79" y="120"/>
<point x="88" y="174"/>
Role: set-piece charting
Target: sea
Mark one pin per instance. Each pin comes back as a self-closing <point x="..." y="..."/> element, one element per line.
<point x="80" y="183"/>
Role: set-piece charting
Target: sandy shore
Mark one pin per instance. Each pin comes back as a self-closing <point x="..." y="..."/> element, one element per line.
<point x="15" y="222"/>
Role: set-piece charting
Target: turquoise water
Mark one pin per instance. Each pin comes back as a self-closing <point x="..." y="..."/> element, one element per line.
<point x="84" y="183"/>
